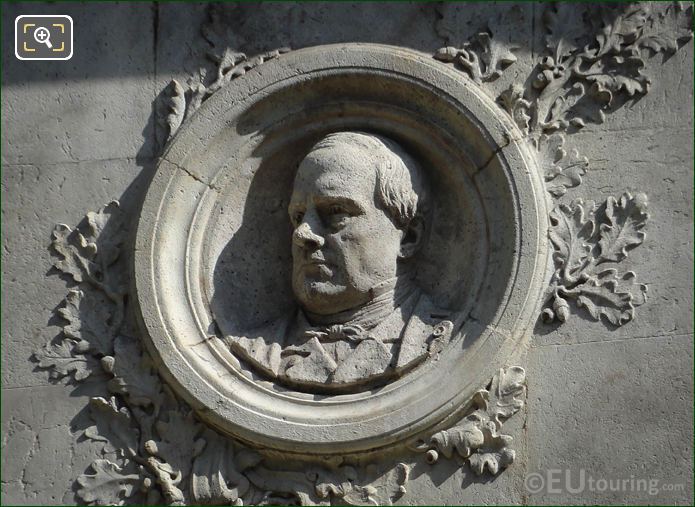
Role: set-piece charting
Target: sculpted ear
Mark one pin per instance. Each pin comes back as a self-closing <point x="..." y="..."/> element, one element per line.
<point x="412" y="237"/>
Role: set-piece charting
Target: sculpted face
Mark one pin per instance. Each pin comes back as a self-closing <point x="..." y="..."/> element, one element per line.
<point x="343" y="243"/>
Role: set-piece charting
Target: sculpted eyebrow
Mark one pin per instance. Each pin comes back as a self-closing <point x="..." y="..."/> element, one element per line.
<point x="339" y="199"/>
<point x="293" y="206"/>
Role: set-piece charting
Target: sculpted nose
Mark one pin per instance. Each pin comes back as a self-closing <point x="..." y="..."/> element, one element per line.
<point x="305" y="237"/>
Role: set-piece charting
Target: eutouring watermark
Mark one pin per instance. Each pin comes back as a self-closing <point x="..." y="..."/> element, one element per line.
<point x="558" y="481"/>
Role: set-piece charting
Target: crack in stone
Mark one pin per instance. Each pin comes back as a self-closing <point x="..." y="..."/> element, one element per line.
<point x="509" y="141"/>
<point x="211" y="186"/>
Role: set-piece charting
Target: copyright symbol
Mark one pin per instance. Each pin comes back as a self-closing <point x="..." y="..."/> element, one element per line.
<point x="534" y="482"/>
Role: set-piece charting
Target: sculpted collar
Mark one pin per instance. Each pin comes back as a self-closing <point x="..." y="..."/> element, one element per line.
<point x="352" y="324"/>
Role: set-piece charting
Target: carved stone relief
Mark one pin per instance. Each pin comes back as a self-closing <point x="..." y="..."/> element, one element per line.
<point x="362" y="318"/>
<point x="357" y="304"/>
<point x="340" y="258"/>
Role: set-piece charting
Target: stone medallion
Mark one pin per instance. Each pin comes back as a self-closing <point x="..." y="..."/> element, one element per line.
<point x="340" y="248"/>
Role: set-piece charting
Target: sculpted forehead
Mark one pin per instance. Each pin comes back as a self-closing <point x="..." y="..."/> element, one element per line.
<point x="337" y="169"/>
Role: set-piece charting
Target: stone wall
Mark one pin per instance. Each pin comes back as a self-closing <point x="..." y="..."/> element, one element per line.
<point x="612" y="402"/>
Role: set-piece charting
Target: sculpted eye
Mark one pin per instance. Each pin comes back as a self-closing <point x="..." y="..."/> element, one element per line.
<point x="297" y="217"/>
<point x="336" y="210"/>
<point x="337" y="216"/>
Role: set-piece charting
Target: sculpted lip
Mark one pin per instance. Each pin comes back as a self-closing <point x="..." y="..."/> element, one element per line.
<point x="320" y="266"/>
<point x="316" y="261"/>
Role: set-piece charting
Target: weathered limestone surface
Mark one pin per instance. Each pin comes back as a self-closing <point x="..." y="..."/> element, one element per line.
<point x="74" y="133"/>
<point x="613" y="402"/>
<point x="38" y="427"/>
<point x="587" y="390"/>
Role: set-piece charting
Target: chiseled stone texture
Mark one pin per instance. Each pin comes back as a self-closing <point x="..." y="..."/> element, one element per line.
<point x="75" y="135"/>
<point x="34" y="201"/>
<point x="618" y="409"/>
<point x="40" y="425"/>
<point x="615" y="403"/>
<point x="94" y="106"/>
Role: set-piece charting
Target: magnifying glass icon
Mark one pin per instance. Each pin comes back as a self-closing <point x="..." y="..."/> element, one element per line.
<point x="43" y="36"/>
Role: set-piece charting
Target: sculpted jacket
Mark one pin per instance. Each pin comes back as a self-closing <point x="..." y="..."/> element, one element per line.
<point x="352" y="353"/>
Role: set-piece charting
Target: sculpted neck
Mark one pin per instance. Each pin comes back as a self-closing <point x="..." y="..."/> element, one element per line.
<point x="384" y="299"/>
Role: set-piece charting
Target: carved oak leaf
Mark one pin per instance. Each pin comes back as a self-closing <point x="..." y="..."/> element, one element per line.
<point x="584" y="79"/>
<point x="563" y="29"/>
<point x="562" y="169"/>
<point x="609" y="296"/>
<point x="233" y="65"/>
<point x="389" y="486"/>
<point x="107" y="246"/>
<point x="114" y="426"/>
<point x="560" y="105"/>
<point x="581" y="104"/>
<point x="337" y="483"/>
<point x="623" y="229"/>
<point x="62" y="359"/>
<point x="483" y="58"/>
<point x="617" y="73"/>
<point x="601" y="291"/>
<point x="167" y="478"/>
<point x="370" y="488"/>
<point x="228" y="65"/>
<point x="283" y="487"/>
<point x="494" y="461"/>
<point x="668" y="26"/>
<point x="506" y="394"/>
<point x="79" y="248"/>
<point x="463" y="438"/>
<point x="621" y="25"/>
<point x="494" y="455"/>
<point x="176" y="105"/>
<point x="572" y="227"/>
<point x="494" y="452"/>
<point x="218" y="473"/>
<point x="476" y="438"/>
<point x="561" y="113"/>
<point x="133" y="376"/>
<point x="108" y="486"/>
<point x="90" y="319"/>
<point x="195" y="95"/>
<point x="178" y="439"/>
<point x="495" y="55"/>
<point x="170" y="111"/>
<point x="76" y="253"/>
<point x="512" y="99"/>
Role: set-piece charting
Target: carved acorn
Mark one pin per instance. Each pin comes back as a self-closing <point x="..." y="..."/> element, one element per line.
<point x="447" y="54"/>
<point x="543" y="78"/>
<point x="562" y="308"/>
<point x="151" y="447"/>
<point x="432" y="456"/>
<point x="547" y="315"/>
<point x="107" y="363"/>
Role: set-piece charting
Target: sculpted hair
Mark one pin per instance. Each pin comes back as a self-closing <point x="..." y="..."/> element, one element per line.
<point x="401" y="187"/>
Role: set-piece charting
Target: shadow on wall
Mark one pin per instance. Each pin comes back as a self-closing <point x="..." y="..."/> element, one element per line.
<point x="94" y="262"/>
<point x="164" y="39"/>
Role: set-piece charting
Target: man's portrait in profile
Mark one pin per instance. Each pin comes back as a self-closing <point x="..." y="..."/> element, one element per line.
<point x="359" y="212"/>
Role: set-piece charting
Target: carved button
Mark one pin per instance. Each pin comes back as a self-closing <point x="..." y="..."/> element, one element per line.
<point x="443" y="327"/>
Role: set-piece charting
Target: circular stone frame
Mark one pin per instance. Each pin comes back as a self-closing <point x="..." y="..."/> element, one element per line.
<point x="171" y="238"/>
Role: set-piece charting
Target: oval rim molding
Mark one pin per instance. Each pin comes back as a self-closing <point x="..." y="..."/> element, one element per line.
<point x="169" y="239"/>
